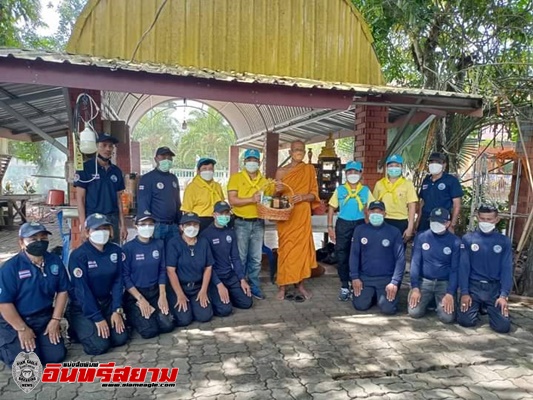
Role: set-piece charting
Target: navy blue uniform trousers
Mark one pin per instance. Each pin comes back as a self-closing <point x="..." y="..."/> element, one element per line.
<point x="238" y="298"/>
<point x="374" y="292"/>
<point x="157" y="323"/>
<point x="194" y="310"/>
<point x="45" y="350"/>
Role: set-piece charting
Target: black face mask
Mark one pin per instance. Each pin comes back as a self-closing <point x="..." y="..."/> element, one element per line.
<point x="37" y="248"/>
<point x="103" y="158"/>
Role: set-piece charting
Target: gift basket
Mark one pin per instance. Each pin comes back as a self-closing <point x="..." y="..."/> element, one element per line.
<point x="275" y="207"/>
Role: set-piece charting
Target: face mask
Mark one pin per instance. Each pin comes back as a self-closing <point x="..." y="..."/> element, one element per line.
<point x="394" y="172"/>
<point x="37" y="248"/>
<point x="191" y="231"/>
<point x="353" y="178"/>
<point x="486" y="227"/>
<point x="376" y="219"/>
<point x="146" y="231"/>
<point x="251" y="166"/>
<point x="437" y="227"/>
<point x="223" y="220"/>
<point x="103" y="158"/>
<point x="99" y="237"/>
<point x="207" y="175"/>
<point x="165" y="165"/>
<point x="435" y="168"/>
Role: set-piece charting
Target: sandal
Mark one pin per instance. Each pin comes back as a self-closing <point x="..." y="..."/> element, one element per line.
<point x="289" y="296"/>
<point x="298" y="298"/>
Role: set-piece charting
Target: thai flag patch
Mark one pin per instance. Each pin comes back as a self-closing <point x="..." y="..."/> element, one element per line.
<point x="25" y="273"/>
<point x="139" y="257"/>
<point x="216" y="241"/>
<point x="92" y="264"/>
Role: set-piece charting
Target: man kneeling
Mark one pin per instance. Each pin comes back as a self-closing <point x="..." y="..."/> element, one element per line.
<point x="228" y="287"/>
<point x="377" y="262"/>
<point x="434" y="268"/>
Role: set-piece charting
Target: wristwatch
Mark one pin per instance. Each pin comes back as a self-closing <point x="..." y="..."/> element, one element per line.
<point x="120" y="311"/>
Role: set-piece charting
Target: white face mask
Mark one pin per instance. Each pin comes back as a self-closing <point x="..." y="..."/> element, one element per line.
<point x="353" y="178"/>
<point x="191" y="231"/>
<point x="486" y="227"/>
<point x="251" y="166"/>
<point x="207" y="175"/>
<point x="146" y="231"/>
<point x="435" y="168"/>
<point x="99" y="237"/>
<point x="437" y="227"/>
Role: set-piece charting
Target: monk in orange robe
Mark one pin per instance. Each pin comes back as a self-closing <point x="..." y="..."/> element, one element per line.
<point x="296" y="252"/>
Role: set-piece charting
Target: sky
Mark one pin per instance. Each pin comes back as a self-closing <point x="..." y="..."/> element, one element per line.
<point x="50" y="16"/>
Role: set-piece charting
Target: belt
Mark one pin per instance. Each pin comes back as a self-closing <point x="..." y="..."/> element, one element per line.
<point x="190" y="284"/>
<point x="435" y="280"/>
<point x="247" y="219"/>
<point x="484" y="281"/>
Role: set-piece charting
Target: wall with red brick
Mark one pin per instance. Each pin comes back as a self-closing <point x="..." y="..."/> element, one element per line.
<point x="371" y="124"/>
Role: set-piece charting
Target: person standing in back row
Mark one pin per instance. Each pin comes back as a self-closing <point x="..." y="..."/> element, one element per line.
<point x="159" y="194"/>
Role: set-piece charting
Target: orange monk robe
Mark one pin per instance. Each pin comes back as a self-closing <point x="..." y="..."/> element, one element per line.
<point x="296" y="252"/>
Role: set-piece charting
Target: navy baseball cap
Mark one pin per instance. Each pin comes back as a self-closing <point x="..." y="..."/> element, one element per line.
<point x="487" y="208"/>
<point x="144" y="216"/>
<point x="106" y="137"/>
<point x="439" y="214"/>
<point x="96" y="220"/>
<point x="357" y="165"/>
<point x="189" y="217"/>
<point x="164" y="150"/>
<point x="377" y="204"/>
<point x="205" y="161"/>
<point x="222" y="206"/>
<point x="437" y="157"/>
<point x="252" y="153"/>
<point x="395" y="158"/>
<point x="32" y="228"/>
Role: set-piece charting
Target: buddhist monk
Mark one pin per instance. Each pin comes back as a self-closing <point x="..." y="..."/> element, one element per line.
<point x="296" y="253"/>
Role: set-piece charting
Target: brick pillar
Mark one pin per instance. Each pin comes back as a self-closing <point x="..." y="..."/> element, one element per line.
<point x="270" y="158"/>
<point x="371" y="124"/>
<point x="234" y="159"/>
<point x="136" y="157"/>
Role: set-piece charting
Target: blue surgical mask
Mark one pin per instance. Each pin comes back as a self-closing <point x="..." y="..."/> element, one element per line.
<point x="394" y="172"/>
<point x="223" y="220"/>
<point x="376" y="219"/>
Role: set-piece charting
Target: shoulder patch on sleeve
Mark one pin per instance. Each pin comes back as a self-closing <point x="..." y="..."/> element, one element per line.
<point x="78" y="273"/>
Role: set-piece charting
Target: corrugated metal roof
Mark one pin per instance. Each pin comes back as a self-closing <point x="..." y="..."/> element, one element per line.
<point x="315" y="39"/>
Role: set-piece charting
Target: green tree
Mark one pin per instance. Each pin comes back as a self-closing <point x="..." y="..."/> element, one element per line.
<point x="69" y="11"/>
<point x="155" y="129"/>
<point x="16" y="17"/>
<point x="208" y="135"/>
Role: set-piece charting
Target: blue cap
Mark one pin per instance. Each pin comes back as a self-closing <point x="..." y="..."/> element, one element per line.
<point x="31" y="228"/>
<point x="377" y="204"/>
<point x="96" y="220"/>
<point x="252" y="153"/>
<point x="395" y="158"/>
<point x="106" y="137"/>
<point x="164" y="150"/>
<point x="189" y="217"/>
<point x="439" y="214"/>
<point x="222" y="206"/>
<point x="437" y="157"/>
<point x="145" y="215"/>
<point x="205" y="161"/>
<point x="357" y="165"/>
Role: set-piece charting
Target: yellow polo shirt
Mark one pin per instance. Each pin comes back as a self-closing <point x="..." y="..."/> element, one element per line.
<point x="396" y="196"/>
<point x="246" y="187"/>
<point x="200" y="197"/>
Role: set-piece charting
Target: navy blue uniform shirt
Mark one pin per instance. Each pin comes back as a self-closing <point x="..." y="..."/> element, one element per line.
<point x="30" y="290"/>
<point x="190" y="261"/>
<point x="159" y="193"/>
<point x="436" y="257"/>
<point x="223" y="244"/>
<point x="439" y="193"/>
<point x="486" y="257"/>
<point x="377" y="251"/>
<point x="96" y="275"/>
<point x="101" y="196"/>
<point x="144" y="264"/>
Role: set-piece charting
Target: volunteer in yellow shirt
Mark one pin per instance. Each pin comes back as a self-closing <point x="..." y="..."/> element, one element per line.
<point x="244" y="193"/>
<point x="203" y="193"/>
<point x="399" y="196"/>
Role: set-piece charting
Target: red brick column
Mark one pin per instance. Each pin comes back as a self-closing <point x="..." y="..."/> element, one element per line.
<point x="136" y="157"/>
<point x="234" y="159"/>
<point x="371" y="124"/>
<point x="270" y="159"/>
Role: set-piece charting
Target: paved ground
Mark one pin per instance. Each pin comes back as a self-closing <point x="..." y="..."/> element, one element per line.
<point x="321" y="349"/>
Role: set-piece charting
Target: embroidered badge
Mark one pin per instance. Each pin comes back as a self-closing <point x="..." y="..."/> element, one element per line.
<point x="76" y="177"/>
<point x="54" y="269"/>
<point x="92" y="264"/>
<point x="78" y="273"/>
<point x="442" y="186"/>
<point x="447" y="251"/>
<point x="175" y="184"/>
<point x="228" y="239"/>
<point x="216" y="241"/>
<point x="474" y="247"/>
<point x="426" y="246"/>
<point x="364" y="240"/>
<point x="123" y="256"/>
<point x="139" y="257"/>
<point x="25" y="273"/>
<point x="438" y="212"/>
<point x="141" y="187"/>
<point x="385" y="242"/>
<point x="155" y="254"/>
<point x="160" y="185"/>
<point x="113" y="178"/>
<point x="424" y="187"/>
<point x="113" y="257"/>
<point x="497" y="249"/>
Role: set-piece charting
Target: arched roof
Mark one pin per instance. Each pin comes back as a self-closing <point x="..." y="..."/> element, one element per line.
<point x="311" y="39"/>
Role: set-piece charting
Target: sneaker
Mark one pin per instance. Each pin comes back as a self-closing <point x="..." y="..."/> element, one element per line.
<point x="256" y="293"/>
<point x="345" y="294"/>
